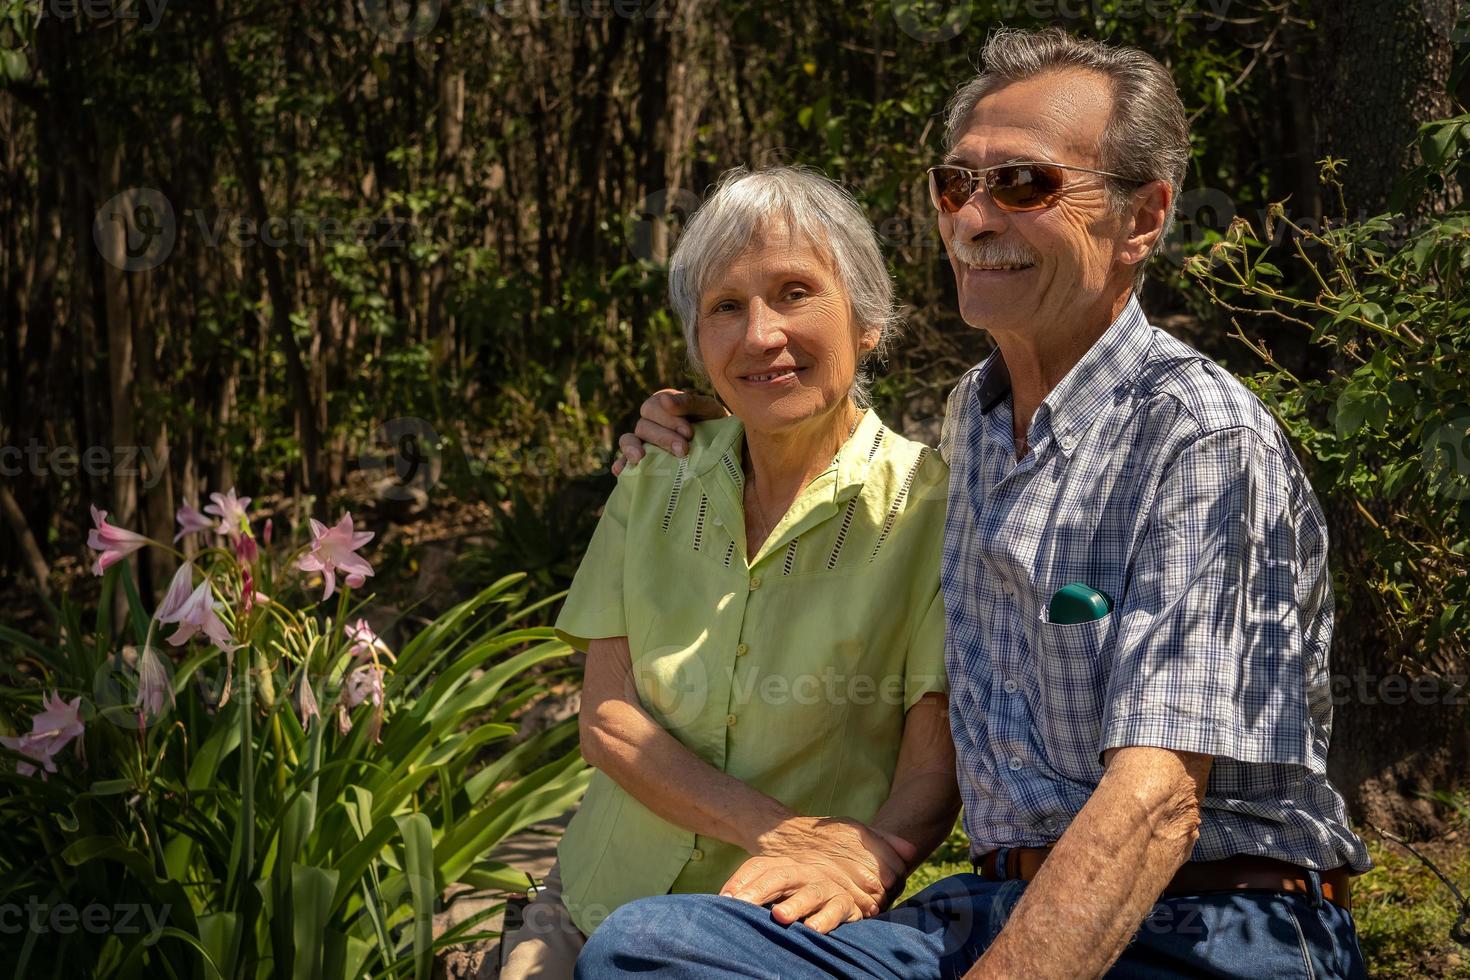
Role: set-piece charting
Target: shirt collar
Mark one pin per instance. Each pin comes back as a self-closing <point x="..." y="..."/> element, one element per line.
<point x="1075" y="402"/>
<point x="847" y="471"/>
<point x="993" y="382"/>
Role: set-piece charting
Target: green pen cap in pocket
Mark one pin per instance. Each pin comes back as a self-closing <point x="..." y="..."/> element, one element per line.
<point x="1078" y="603"/>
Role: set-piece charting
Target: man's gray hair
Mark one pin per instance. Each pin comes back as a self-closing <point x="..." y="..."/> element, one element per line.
<point x="1147" y="137"/>
<point x="811" y="207"/>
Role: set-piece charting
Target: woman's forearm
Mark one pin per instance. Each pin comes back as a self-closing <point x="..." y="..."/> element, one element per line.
<point x="662" y="773"/>
<point x="623" y="740"/>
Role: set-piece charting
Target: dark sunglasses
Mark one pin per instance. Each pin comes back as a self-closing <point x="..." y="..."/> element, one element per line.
<point x="1026" y="186"/>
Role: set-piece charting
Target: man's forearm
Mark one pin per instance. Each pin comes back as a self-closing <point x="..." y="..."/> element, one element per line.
<point x="1105" y="873"/>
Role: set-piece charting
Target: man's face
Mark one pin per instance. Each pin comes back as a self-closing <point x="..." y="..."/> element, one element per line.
<point x="1067" y="254"/>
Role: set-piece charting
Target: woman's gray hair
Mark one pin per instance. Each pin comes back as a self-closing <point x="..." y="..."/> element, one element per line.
<point x="810" y="206"/>
<point x="1147" y="137"/>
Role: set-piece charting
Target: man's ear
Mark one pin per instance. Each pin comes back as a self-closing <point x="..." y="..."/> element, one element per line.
<point x="1147" y="212"/>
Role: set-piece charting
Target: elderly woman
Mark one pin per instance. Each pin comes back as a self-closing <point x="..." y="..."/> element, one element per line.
<point x="765" y="693"/>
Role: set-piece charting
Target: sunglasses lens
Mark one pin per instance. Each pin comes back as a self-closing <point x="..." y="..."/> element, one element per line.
<point x="1025" y="186"/>
<point x="950" y="188"/>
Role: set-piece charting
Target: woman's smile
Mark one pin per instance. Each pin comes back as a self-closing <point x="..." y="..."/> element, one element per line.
<point x="773" y="378"/>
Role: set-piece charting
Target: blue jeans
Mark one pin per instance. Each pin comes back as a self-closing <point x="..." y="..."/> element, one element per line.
<point x="942" y="931"/>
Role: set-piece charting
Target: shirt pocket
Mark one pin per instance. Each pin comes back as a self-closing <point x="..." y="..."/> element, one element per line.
<point x="1073" y="685"/>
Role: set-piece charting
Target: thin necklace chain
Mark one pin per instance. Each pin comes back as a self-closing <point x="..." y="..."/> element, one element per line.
<point x="760" y="509"/>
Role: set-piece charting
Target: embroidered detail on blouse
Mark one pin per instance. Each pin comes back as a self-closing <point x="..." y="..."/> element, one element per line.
<point x="674" y="496"/>
<point x="842" y="533"/>
<point x="699" y="523"/>
<point x="908" y="482"/>
<point x="733" y="470"/>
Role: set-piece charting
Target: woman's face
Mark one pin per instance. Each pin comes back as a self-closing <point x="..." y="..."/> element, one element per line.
<point x="777" y="335"/>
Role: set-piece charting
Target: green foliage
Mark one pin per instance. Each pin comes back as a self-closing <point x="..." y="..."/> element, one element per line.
<point x="265" y="841"/>
<point x="951" y="858"/>
<point x="1387" y="425"/>
<point x="1404" y="913"/>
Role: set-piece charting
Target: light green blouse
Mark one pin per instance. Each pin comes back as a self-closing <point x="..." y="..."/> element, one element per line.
<point x="791" y="672"/>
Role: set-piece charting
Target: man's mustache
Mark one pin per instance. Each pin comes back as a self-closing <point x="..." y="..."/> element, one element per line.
<point x="993" y="251"/>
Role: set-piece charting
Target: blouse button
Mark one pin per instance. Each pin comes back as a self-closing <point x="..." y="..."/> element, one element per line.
<point x="719" y="523"/>
<point x="696" y="855"/>
<point x="730" y="719"/>
<point x="742" y="650"/>
<point x="755" y="583"/>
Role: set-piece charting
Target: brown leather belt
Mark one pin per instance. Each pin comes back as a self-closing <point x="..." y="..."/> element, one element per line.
<point x="1239" y="873"/>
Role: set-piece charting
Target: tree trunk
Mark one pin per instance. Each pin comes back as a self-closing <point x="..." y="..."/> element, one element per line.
<point x="113" y="233"/>
<point x="15" y="521"/>
<point x="275" y="279"/>
<point x="1385" y="70"/>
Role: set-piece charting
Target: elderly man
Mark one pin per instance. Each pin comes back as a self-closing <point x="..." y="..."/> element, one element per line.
<point x="1138" y="606"/>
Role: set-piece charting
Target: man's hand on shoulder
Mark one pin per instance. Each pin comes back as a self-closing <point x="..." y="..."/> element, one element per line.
<point x="666" y="421"/>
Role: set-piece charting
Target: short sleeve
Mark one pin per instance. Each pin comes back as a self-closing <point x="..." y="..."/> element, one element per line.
<point x="594" y="606"/>
<point x="924" y="670"/>
<point x="1210" y="649"/>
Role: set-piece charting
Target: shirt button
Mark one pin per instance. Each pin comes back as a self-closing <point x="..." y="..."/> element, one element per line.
<point x="742" y="650"/>
<point x="1069" y="444"/>
<point x="755" y="583"/>
<point x="696" y="855"/>
<point x="1016" y="764"/>
<point x="1011" y="687"/>
<point x="730" y="719"/>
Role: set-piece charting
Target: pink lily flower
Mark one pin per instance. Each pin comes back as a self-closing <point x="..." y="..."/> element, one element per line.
<point x="231" y="512"/>
<point x="179" y="588"/>
<point x="154" y="687"/>
<point x="250" y="597"/>
<point x="199" y="614"/>
<point x="52" y="728"/>
<point x="245" y="549"/>
<point x="364" y="684"/>
<point x="113" y="542"/>
<point x="363" y="643"/>
<point x="334" y="548"/>
<point x="190" y="521"/>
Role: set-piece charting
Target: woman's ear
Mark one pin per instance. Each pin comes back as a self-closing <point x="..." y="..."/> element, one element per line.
<point x="869" y="340"/>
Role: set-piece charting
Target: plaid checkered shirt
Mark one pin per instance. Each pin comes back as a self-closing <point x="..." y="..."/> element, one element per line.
<point x="1156" y="478"/>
